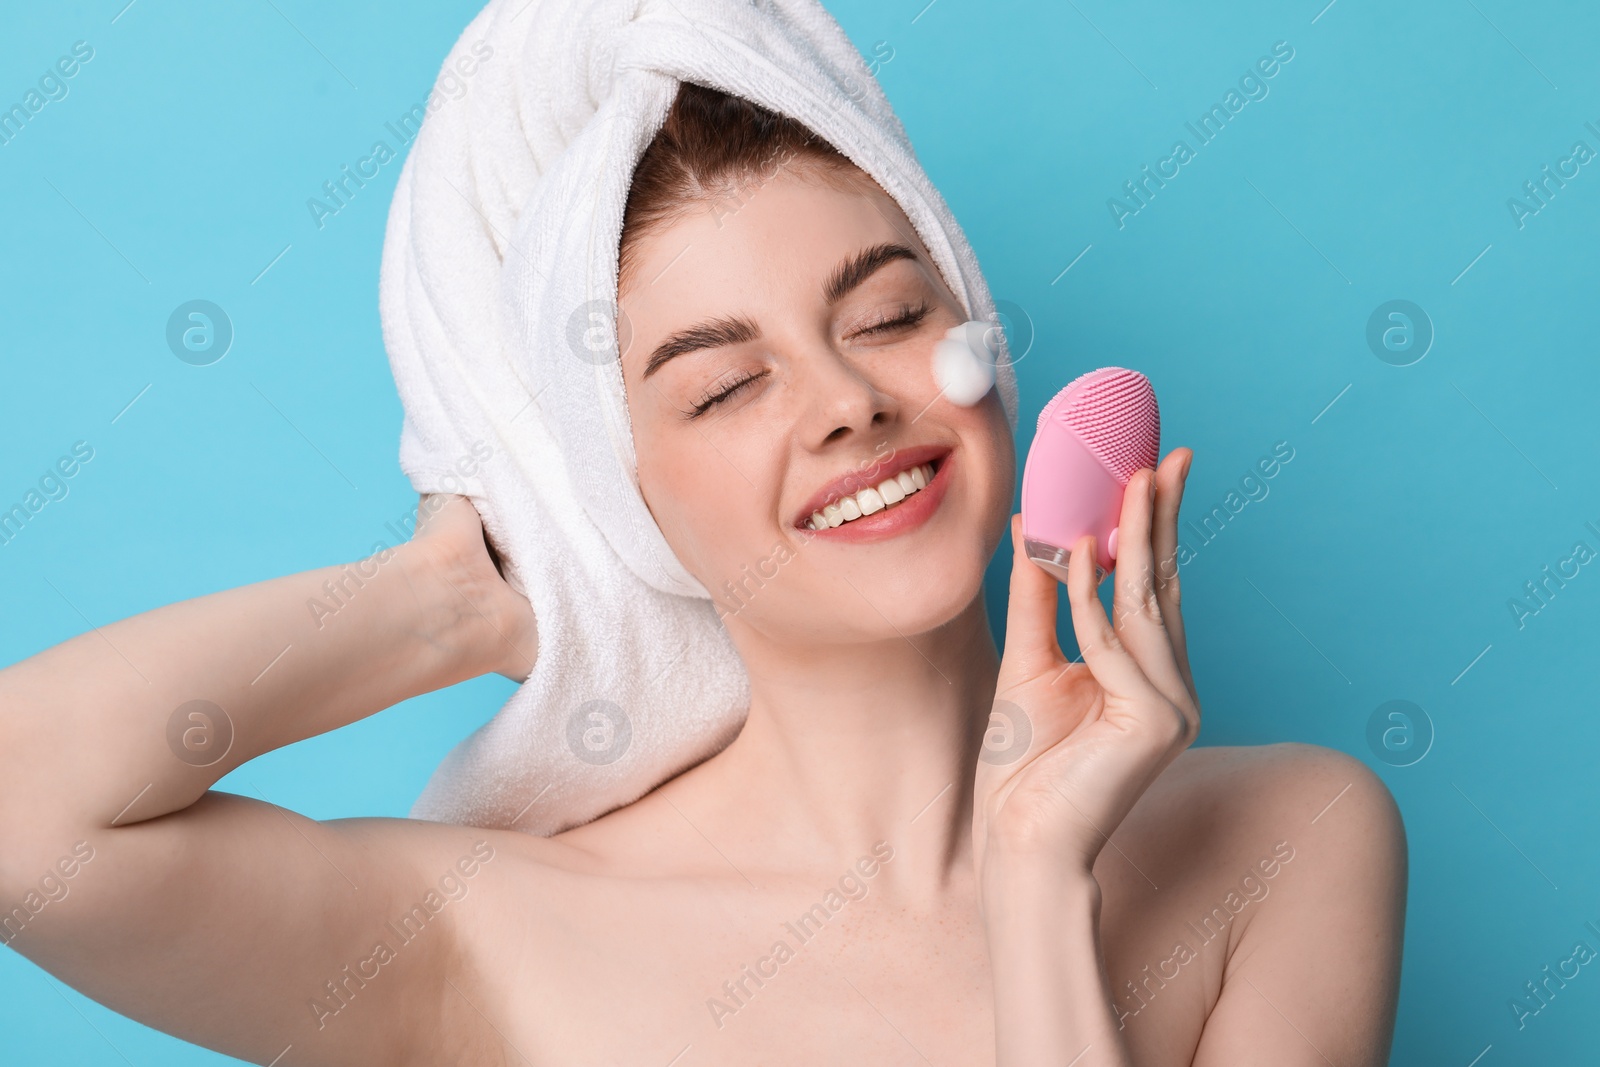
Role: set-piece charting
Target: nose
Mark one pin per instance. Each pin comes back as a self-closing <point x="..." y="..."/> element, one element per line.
<point x="841" y="401"/>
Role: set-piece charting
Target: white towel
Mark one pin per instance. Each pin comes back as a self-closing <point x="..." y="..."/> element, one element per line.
<point x="497" y="294"/>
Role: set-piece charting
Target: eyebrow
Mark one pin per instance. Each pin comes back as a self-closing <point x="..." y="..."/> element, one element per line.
<point x="714" y="333"/>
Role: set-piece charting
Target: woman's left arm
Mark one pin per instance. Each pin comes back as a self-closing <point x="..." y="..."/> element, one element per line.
<point x="1099" y="732"/>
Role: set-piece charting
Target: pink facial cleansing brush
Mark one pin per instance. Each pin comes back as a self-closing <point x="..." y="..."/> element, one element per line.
<point x="1093" y="437"/>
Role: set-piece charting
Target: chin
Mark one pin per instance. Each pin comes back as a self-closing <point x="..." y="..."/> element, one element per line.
<point x="854" y="608"/>
<point x="926" y="582"/>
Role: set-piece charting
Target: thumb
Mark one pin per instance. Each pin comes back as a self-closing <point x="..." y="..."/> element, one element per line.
<point x="1031" y="643"/>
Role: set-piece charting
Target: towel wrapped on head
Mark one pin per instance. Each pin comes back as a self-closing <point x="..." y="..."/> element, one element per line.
<point x="499" y="304"/>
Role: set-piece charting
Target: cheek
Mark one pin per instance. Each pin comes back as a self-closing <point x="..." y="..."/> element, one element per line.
<point x="712" y="515"/>
<point x="987" y="434"/>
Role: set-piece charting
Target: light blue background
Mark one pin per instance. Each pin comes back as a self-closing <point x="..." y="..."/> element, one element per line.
<point x="1379" y="567"/>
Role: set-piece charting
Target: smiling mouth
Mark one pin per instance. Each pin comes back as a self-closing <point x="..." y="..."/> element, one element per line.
<point x="873" y="498"/>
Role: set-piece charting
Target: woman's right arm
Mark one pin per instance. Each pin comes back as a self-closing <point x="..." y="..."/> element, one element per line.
<point x="224" y="919"/>
<point x="1099" y="732"/>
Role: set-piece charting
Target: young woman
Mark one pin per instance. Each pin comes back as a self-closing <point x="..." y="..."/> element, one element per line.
<point x="860" y="876"/>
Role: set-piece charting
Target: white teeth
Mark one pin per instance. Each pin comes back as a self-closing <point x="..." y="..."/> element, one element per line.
<point x="873" y="499"/>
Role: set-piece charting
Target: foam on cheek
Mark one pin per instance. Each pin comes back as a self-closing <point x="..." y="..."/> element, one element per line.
<point x="963" y="362"/>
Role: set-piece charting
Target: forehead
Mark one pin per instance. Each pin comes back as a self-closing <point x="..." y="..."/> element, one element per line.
<point x="761" y="242"/>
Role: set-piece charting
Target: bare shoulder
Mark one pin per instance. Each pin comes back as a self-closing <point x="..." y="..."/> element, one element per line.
<point x="1282" y="784"/>
<point x="1331" y="808"/>
<point x="1277" y="868"/>
<point x="1219" y="811"/>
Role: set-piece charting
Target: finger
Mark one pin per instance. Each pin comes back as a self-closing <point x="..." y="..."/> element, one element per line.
<point x="1116" y="671"/>
<point x="1171" y="479"/>
<point x="1031" y="643"/>
<point x="1135" y="609"/>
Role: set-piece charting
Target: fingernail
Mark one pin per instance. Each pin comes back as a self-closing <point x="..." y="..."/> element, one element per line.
<point x="1152" y="485"/>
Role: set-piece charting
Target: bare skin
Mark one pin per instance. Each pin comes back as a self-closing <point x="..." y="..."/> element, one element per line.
<point x="962" y="911"/>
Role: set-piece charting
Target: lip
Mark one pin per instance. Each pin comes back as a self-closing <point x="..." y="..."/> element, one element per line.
<point x="896" y="519"/>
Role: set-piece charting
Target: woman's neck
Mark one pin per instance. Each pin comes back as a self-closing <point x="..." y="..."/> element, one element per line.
<point x="849" y="745"/>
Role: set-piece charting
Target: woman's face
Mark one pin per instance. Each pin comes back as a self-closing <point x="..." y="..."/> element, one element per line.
<point x="780" y="361"/>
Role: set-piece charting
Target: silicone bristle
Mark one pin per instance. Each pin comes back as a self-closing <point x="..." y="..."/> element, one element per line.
<point x="1114" y="411"/>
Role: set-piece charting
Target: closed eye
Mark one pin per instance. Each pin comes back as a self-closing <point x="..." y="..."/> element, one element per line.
<point x="712" y="399"/>
<point x="909" y="315"/>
